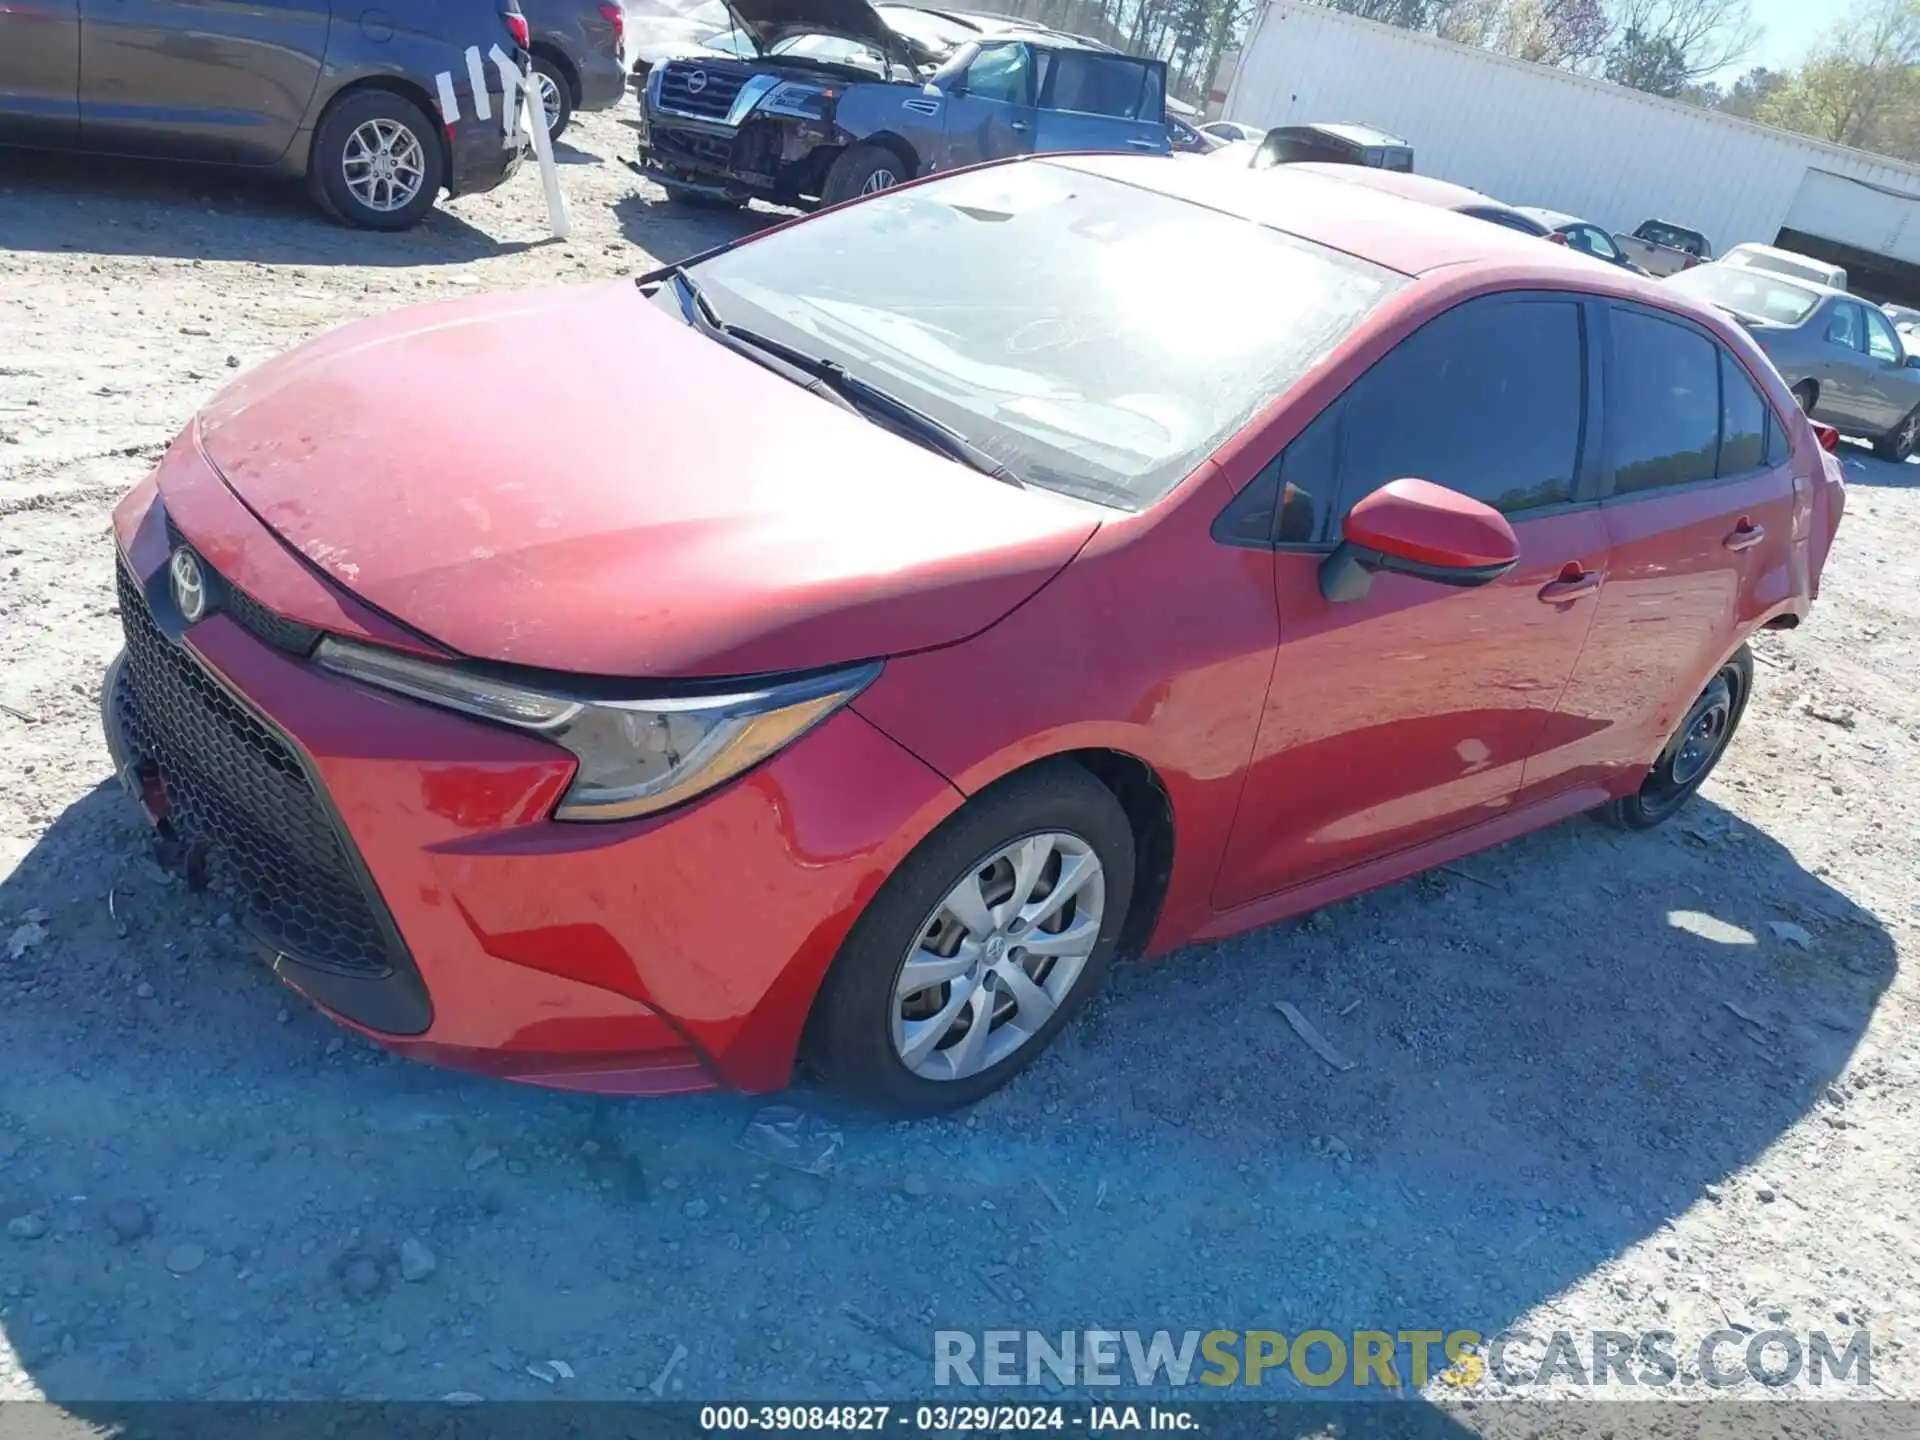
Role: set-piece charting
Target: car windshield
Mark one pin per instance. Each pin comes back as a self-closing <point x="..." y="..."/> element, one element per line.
<point x="1757" y="294"/>
<point x="1672" y="237"/>
<point x="1048" y="319"/>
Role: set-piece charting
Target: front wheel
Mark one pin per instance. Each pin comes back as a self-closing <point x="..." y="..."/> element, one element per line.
<point x="862" y="170"/>
<point x="1696" y="747"/>
<point x="377" y="161"/>
<point x="1899" y="443"/>
<point x="980" y="947"/>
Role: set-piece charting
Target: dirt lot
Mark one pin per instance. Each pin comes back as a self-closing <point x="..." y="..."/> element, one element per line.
<point x="1663" y="1082"/>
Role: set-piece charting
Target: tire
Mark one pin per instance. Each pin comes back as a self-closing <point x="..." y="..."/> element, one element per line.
<point x="1806" y="395"/>
<point x="1899" y="443"/>
<point x="858" y="1035"/>
<point x="862" y="170"/>
<point x="358" y="120"/>
<point x="1681" y="769"/>
<point x="556" y="96"/>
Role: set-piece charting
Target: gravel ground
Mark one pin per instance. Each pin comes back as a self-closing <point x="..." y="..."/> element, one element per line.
<point x="1599" y="1082"/>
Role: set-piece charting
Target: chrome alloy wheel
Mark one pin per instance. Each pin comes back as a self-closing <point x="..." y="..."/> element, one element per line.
<point x="998" y="956"/>
<point x="384" y="165"/>
<point x="881" y="179"/>
<point x="549" y="98"/>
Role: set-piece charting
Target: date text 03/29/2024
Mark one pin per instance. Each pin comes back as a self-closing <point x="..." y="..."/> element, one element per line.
<point x="946" y="1419"/>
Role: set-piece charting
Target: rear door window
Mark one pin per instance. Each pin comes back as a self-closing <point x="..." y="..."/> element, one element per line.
<point x="1847" y="327"/>
<point x="1084" y="82"/>
<point x="1744" y="418"/>
<point x="1663" y="403"/>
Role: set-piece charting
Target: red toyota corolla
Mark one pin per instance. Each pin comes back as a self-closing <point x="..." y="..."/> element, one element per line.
<point x="848" y="642"/>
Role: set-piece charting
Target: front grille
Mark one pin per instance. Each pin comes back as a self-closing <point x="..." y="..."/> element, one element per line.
<point x="711" y="96"/>
<point x="235" y="784"/>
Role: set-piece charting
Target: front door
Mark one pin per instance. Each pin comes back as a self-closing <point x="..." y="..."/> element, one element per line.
<point x="39" y="72"/>
<point x="1894" y="385"/>
<point x="989" y="106"/>
<point x="1702" y="517"/>
<point x="1399" y="718"/>
<point x="1094" y="101"/>
<point x="221" y="80"/>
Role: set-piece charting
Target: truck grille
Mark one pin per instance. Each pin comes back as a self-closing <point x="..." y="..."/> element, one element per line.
<point x="235" y="784"/>
<point x="709" y="96"/>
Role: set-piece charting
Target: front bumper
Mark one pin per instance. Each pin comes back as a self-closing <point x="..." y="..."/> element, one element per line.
<point x="396" y="862"/>
<point x="766" y="157"/>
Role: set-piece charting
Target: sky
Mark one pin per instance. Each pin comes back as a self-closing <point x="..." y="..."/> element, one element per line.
<point x="1790" y="28"/>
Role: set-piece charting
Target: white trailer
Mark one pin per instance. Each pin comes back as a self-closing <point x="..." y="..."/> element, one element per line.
<point x="1533" y="135"/>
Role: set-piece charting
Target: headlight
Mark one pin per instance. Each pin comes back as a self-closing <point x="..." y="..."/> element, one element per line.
<point x="802" y="102"/>
<point x="636" y="756"/>
<point x="654" y="73"/>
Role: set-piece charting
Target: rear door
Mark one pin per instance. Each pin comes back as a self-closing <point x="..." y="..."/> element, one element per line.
<point x="1846" y="381"/>
<point x="1700" y="512"/>
<point x="221" y="80"/>
<point x="988" y="108"/>
<point x="1090" y="100"/>
<point x="39" y="72"/>
<point x="1404" y="716"/>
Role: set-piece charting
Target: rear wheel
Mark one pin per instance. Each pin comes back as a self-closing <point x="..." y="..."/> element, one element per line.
<point x="980" y="947"/>
<point x="555" y="89"/>
<point x="1900" y="442"/>
<point x="1696" y="747"/>
<point x="863" y="170"/>
<point x="376" y="161"/>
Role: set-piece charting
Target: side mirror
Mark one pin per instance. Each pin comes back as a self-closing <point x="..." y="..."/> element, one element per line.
<point x="1913" y="362"/>
<point x="1417" y="528"/>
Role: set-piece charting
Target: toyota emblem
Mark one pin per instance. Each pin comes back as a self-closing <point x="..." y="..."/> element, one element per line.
<point x="696" y="82"/>
<point x="189" y="585"/>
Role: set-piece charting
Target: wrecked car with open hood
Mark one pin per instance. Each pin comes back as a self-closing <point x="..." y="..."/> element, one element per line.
<point x="840" y="98"/>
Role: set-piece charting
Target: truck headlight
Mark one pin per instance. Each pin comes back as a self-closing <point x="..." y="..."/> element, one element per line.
<point x="802" y="102"/>
<point x="636" y="756"/>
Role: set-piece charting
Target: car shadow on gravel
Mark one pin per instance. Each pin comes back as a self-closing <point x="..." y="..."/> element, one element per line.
<point x="671" y="231"/>
<point x="1541" y="1054"/>
<point x="100" y="205"/>
<point x="1863" y="467"/>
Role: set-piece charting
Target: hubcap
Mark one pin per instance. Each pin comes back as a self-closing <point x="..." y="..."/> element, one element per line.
<point x="549" y="100"/>
<point x="384" y="165"/>
<point x="997" y="956"/>
<point x="882" y="179"/>
<point x="1910" y="431"/>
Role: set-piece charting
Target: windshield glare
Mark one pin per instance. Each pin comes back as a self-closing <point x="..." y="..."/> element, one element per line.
<point x="1054" y="317"/>
<point x="1757" y="293"/>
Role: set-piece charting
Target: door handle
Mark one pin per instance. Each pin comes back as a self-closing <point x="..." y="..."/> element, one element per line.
<point x="1019" y="127"/>
<point x="1144" y="144"/>
<point x="1745" y="535"/>
<point x="1573" y="583"/>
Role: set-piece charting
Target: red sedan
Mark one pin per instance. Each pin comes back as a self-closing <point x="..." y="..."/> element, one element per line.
<point x="846" y="643"/>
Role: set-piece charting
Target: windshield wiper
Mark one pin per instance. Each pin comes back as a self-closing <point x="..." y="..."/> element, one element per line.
<point x="831" y="381"/>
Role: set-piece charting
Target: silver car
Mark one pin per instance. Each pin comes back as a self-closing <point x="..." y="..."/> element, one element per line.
<point x="1844" y="360"/>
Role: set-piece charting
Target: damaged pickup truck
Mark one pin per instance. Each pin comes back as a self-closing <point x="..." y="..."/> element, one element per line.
<point x="840" y="99"/>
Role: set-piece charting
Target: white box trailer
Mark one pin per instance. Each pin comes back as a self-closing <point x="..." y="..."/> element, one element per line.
<point x="1533" y="135"/>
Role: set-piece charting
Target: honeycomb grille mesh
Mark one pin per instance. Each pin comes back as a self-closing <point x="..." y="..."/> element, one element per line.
<point x="236" y="785"/>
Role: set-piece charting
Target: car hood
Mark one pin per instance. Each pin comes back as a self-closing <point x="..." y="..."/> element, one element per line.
<point x="575" y="480"/>
<point x="767" y="20"/>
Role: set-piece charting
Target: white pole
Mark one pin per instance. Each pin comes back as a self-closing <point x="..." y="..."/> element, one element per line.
<point x="532" y="117"/>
